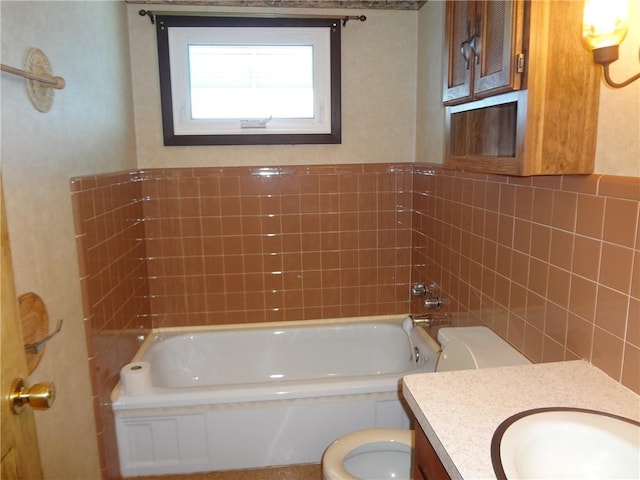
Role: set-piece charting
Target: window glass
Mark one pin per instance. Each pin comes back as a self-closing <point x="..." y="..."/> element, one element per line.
<point x="251" y="81"/>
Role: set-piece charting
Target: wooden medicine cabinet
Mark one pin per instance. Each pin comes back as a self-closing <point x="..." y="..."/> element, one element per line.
<point x="520" y="89"/>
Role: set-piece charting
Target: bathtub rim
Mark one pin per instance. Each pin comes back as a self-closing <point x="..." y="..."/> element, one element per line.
<point x="294" y="388"/>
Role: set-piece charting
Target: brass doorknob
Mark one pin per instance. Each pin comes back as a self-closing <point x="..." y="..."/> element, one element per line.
<point x="40" y="395"/>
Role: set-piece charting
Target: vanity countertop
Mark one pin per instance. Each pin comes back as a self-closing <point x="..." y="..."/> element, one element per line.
<point x="460" y="410"/>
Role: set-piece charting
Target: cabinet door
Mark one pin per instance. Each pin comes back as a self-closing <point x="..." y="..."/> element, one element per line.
<point x="426" y="464"/>
<point x="500" y="24"/>
<point x="459" y="57"/>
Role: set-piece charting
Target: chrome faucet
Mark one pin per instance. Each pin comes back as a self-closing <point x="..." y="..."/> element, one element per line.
<point x="429" y="319"/>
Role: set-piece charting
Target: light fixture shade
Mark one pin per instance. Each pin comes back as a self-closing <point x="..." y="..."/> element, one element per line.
<point x="604" y="22"/>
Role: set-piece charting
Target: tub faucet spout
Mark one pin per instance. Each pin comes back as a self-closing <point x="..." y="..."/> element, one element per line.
<point x="429" y="319"/>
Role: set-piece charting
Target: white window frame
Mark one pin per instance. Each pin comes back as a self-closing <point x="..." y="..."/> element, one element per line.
<point x="176" y="33"/>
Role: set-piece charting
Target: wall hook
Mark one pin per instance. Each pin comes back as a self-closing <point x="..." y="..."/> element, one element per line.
<point x="34" y="348"/>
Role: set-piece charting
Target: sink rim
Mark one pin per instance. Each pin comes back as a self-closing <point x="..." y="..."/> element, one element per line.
<point x="496" y="440"/>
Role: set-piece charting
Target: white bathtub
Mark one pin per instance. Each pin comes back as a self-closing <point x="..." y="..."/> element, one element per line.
<point x="263" y="394"/>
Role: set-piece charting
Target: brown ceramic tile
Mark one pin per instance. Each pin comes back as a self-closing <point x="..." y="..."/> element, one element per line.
<point x="561" y="249"/>
<point x="631" y="368"/>
<point x="581" y="183"/>
<point x="615" y="267"/>
<point x="524" y="203"/>
<point x="620" y="221"/>
<point x="556" y="323"/>
<point x="502" y="286"/>
<point x="620" y="187"/>
<point x="491" y="221"/>
<point x="607" y="353"/>
<point x="586" y="257"/>
<point x="558" y="286"/>
<point x="522" y="236"/>
<point x="538" y="273"/>
<point x="229" y="186"/>
<point x="520" y="268"/>
<point x="635" y="276"/>
<point x="542" y="206"/>
<point x="507" y="199"/>
<point x="500" y="321"/>
<point x="505" y="230"/>
<point x="582" y="297"/>
<point x="536" y="310"/>
<point x="503" y="262"/>
<point x="540" y="242"/>
<point x="580" y="336"/>
<point x="518" y="299"/>
<point x="552" y="351"/>
<point x="270" y="224"/>
<point x="633" y="323"/>
<point x="533" y="342"/>
<point x="611" y="310"/>
<point x="564" y="210"/>
<point x="515" y="331"/>
<point x="590" y="216"/>
<point x="524" y="181"/>
<point x="492" y="197"/>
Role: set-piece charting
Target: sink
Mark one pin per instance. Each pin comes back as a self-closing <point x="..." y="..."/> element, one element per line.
<point x="564" y="443"/>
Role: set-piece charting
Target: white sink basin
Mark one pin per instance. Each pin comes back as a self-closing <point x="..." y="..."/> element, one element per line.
<point x="563" y="443"/>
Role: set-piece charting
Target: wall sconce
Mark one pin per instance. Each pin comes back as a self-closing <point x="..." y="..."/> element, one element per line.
<point x="604" y="26"/>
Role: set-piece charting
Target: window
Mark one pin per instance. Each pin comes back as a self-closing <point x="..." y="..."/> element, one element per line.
<point x="249" y="81"/>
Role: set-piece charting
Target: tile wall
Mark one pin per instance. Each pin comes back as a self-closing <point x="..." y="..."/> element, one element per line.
<point x="110" y="240"/>
<point x="239" y="245"/>
<point x="552" y="264"/>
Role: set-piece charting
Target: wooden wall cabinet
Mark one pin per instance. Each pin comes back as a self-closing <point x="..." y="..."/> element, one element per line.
<point x="484" y="49"/>
<point x="426" y="464"/>
<point x="526" y="102"/>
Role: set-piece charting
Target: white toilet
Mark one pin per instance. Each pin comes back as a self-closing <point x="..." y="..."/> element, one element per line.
<point x="385" y="453"/>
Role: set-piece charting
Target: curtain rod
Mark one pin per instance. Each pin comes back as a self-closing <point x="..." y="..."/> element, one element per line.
<point x="344" y="18"/>
<point x="55" y="82"/>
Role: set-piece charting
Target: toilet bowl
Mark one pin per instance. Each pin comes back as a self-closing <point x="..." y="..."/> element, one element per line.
<point x="375" y="453"/>
<point x="385" y="453"/>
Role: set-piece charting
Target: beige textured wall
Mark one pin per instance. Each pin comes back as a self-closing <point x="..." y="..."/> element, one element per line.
<point x="88" y="130"/>
<point x="430" y="111"/>
<point x="618" y="141"/>
<point x="378" y="98"/>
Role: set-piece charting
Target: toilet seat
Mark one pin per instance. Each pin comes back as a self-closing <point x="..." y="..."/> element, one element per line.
<point x="333" y="460"/>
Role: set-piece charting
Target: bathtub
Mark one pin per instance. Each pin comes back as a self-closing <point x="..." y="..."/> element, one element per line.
<point x="259" y="395"/>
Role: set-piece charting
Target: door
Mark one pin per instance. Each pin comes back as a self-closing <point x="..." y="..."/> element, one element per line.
<point x="19" y="445"/>
<point x="459" y="55"/>
<point x="500" y="25"/>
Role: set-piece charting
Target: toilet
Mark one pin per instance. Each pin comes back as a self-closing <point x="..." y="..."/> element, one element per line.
<point x="385" y="453"/>
<point x="378" y="453"/>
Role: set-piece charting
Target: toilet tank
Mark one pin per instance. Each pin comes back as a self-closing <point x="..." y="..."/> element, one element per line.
<point x="465" y="348"/>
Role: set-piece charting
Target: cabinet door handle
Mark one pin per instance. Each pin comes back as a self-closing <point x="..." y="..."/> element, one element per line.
<point x="475" y="42"/>
<point x="465" y="45"/>
<point x="463" y="51"/>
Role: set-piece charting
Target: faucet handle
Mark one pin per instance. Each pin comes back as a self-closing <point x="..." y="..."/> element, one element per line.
<point x="432" y="301"/>
<point x="418" y="290"/>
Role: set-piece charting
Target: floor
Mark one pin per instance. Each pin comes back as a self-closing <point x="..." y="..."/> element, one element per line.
<point x="291" y="472"/>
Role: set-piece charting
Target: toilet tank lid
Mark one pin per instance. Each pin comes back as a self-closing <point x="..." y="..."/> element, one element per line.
<point x="488" y="349"/>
